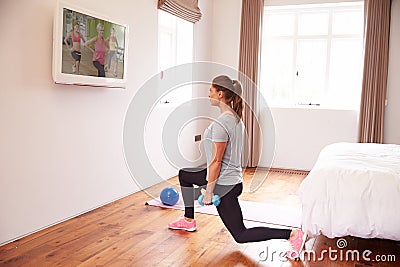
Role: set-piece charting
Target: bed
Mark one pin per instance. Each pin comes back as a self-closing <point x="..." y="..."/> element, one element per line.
<point x="353" y="189"/>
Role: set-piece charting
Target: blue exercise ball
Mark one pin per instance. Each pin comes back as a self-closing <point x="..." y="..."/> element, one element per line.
<point x="169" y="196"/>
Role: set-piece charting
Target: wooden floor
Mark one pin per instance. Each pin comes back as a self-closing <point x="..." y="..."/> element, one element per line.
<point x="129" y="233"/>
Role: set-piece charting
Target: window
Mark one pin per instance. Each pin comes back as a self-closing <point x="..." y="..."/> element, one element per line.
<point x="313" y="54"/>
<point x="175" y="47"/>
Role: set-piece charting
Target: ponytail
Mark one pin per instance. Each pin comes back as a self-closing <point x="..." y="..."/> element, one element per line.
<point x="237" y="103"/>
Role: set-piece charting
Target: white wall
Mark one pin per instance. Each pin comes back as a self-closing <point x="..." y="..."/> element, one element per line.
<point x="392" y="112"/>
<point x="204" y="37"/>
<point x="301" y="133"/>
<point x="226" y="32"/>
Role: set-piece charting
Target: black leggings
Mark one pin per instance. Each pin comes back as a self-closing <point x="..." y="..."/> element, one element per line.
<point x="100" y="69"/>
<point x="76" y="55"/>
<point x="229" y="209"/>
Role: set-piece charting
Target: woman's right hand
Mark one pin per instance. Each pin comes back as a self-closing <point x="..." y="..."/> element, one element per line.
<point x="207" y="200"/>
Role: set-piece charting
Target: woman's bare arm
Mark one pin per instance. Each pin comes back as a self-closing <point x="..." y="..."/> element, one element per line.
<point x="218" y="150"/>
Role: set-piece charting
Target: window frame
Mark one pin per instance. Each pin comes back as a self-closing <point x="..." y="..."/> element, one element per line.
<point x="296" y="37"/>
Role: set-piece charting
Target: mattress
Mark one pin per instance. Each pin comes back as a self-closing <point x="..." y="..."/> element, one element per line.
<point x="353" y="189"/>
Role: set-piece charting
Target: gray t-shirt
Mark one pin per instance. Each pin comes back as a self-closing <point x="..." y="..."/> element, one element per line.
<point x="228" y="129"/>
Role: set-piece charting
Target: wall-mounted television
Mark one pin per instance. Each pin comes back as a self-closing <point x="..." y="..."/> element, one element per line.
<point x="88" y="48"/>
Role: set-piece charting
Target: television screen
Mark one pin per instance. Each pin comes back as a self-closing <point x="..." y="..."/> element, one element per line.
<point x="88" y="49"/>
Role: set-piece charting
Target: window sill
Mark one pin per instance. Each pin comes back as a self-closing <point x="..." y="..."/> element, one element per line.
<point x="312" y="107"/>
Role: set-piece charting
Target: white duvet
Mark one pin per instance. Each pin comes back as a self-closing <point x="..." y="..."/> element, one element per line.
<point x="353" y="189"/>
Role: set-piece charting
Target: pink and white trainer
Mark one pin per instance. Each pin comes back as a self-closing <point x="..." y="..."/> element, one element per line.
<point x="296" y="240"/>
<point x="182" y="224"/>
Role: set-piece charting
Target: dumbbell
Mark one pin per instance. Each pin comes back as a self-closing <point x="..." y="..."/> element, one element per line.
<point x="216" y="200"/>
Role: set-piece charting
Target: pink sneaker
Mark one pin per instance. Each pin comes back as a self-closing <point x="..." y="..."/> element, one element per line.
<point x="182" y="224"/>
<point x="297" y="240"/>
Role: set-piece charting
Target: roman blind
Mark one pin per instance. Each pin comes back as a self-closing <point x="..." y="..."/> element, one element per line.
<point x="184" y="9"/>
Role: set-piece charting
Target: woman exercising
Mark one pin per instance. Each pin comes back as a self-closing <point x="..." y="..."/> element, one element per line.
<point x="223" y="175"/>
<point x="76" y="37"/>
<point x="99" y="51"/>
